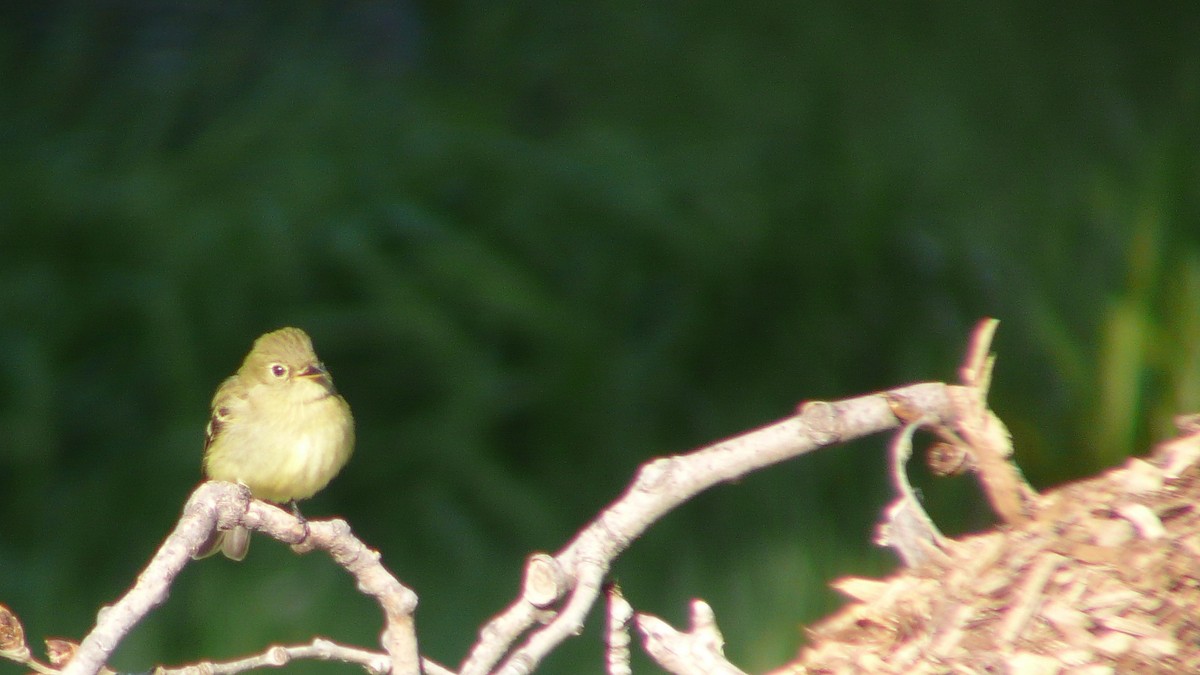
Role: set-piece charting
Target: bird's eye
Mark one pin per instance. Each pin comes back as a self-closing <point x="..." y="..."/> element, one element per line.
<point x="279" y="370"/>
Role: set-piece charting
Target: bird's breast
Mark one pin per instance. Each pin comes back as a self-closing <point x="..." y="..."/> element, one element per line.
<point x="284" y="453"/>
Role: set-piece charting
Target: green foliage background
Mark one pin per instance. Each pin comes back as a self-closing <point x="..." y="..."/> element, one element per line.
<point x="539" y="243"/>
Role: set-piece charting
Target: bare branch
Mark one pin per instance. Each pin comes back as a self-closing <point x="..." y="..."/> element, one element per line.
<point x="664" y="484"/>
<point x="986" y="437"/>
<point x="319" y="649"/>
<point x="224" y="505"/>
<point x="620" y="612"/>
<point x="276" y="656"/>
<point x="399" y="637"/>
<point x="209" y="505"/>
<point x="700" y="651"/>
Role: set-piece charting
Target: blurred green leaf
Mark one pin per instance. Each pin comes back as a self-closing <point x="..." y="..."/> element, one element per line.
<point x="538" y="244"/>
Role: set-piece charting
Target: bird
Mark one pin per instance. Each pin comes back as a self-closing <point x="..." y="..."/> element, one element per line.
<point x="277" y="426"/>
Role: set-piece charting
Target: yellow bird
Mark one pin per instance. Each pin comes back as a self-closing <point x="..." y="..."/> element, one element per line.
<point x="278" y="427"/>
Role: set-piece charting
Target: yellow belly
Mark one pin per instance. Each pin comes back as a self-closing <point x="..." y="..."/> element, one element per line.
<point x="281" y="460"/>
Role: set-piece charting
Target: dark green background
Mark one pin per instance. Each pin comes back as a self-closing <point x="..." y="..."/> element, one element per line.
<point x="540" y="243"/>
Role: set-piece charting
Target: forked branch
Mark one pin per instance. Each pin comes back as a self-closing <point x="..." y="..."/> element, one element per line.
<point x="223" y="505"/>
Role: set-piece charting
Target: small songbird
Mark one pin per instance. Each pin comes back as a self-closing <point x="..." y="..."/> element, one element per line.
<point x="278" y="427"/>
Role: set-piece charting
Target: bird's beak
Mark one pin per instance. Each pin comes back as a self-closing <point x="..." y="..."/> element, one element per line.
<point x="317" y="372"/>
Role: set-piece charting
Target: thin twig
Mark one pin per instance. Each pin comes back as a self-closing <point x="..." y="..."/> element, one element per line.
<point x="279" y="655"/>
<point x="986" y="437"/>
<point x="700" y="651"/>
<point x="319" y="649"/>
<point x="908" y="528"/>
<point x="616" y="632"/>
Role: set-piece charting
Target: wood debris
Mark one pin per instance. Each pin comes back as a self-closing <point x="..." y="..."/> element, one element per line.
<point x="1105" y="578"/>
